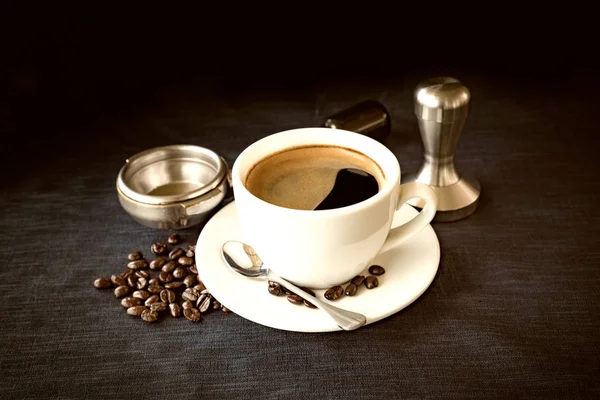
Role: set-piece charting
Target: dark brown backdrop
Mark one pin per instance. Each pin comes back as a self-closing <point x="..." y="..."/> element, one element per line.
<point x="512" y="313"/>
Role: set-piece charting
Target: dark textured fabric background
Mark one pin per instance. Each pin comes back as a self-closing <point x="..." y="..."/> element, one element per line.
<point x="512" y="312"/>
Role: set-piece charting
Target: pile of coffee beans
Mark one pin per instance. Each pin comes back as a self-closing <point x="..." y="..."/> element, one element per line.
<point x="370" y="282"/>
<point x="167" y="284"/>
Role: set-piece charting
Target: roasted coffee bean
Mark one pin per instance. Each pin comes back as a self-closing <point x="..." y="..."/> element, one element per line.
<point x="186" y="261"/>
<point x="371" y="282"/>
<point x="136" y="311"/>
<point x="175" y="310"/>
<point x="174" y="239"/>
<point x="168" y="296"/>
<point x="118" y="280"/>
<point x="194" y="269"/>
<point x="179" y="272"/>
<point x="142" y="274"/>
<point x="154" y="282"/>
<point x="136" y="255"/>
<point x="158" y="306"/>
<point x="131" y="281"/>
<point x="295" y="299"/>
<point x="358" y="280"/>
<point x="149" y="316"/>
<point x="190" y="253"/>
<point x="159" y="248"/>
<point x="334" y="293"/>
<point x="173" y="285"/>
<point x="225" y="309"/>
<point x="165" y="277"/>
<point x="189" y="280"/>
<point x="141" y="283"/>
<point x="216" y="304"/>
<point x="309" y="304"/>
<point x="191" y="247"/>
<point x="151" y="300"/>
<point x="350" y="289"/>
<point x="102" y="283"/>
<point x="376" y="270"/>
<point x="176" y="253"/>
<point x="275" y="290"/>
<point x="190" y="294"/>
<point x="187" y="304"/>
<point x="200" y="286"/>
<point x="130" y="302"/>
<point x="157" y="263"/>
<point x="205" y="305"/>
<point x="141" y="294"/>
<point x="126" y="274"/>
<point x="121" y="291"/>
<point x="192" y="314"/>
<point x="169" y="267"/>
<point x="137" y="264"/>
<point x="283" y="289"/>
<point x="155" y="289"/>
<point x="201" y="298"/>
<point x="309" y="291"/>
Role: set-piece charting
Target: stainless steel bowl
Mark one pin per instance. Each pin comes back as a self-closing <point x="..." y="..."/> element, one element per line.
<point x="173" y="187"/>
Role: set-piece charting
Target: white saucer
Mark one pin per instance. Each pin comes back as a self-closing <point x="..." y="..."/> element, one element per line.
<point x="410" y="269"/>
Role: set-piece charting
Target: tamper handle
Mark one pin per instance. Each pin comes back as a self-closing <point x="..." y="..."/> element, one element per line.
<point x="441" y="107"/>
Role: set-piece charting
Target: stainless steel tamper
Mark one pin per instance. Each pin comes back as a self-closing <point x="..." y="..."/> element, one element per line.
<point x="441" y="108"/>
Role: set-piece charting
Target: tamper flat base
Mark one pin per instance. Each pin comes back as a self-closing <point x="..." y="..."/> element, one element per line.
<point x="455" y="202"/>
<point x="455" y="215"/>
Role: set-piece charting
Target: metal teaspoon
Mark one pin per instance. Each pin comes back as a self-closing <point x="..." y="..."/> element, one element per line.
<point x="243" y="259"/>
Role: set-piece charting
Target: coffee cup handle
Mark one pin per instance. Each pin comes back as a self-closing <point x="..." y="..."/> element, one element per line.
<point x="410" y="191"/>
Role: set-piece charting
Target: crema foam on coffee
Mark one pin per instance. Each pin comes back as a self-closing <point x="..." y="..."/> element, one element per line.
<point x="315" y="177"/>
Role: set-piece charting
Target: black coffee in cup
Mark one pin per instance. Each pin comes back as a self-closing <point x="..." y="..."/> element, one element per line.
<point x="315" y="178"/>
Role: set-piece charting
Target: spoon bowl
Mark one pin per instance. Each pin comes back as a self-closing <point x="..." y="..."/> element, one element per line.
<point x="243" y="259"/>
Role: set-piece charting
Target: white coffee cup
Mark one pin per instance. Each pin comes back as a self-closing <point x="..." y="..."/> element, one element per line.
<point x="320" y="249"/>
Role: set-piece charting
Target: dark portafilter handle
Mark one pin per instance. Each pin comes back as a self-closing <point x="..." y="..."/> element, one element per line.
<point x="369" y="118"/>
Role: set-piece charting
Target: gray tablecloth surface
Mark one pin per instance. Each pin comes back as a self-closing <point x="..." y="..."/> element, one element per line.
<point x="512" y="312"/>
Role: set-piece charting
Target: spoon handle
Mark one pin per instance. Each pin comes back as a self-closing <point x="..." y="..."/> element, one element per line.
<point x="347" y="320"/>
